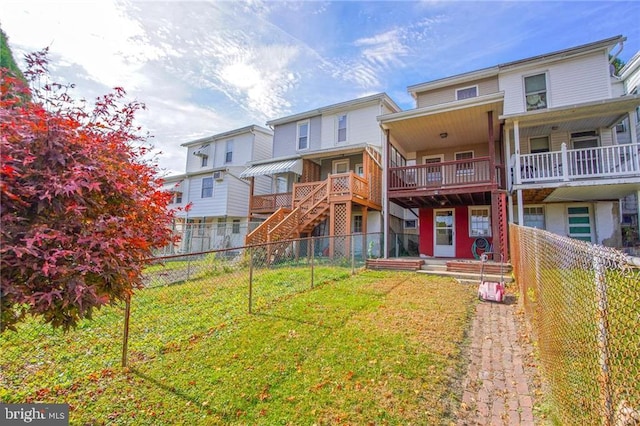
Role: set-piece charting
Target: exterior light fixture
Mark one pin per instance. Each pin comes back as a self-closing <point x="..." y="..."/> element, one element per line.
<point x="444" y="135"/>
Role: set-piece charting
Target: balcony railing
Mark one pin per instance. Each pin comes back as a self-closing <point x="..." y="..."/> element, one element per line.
<point x="269" y="203"/>
<point x="446" y="174"/>
<point x="572" y="164"/>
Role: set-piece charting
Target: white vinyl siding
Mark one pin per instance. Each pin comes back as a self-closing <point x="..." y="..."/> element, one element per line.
<point x="448" y="94"/>
<point x="362" y="127"/>
<point x="569" y="82"/>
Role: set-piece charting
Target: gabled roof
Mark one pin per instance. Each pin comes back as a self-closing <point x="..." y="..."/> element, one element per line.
<point x="228" y="134"/>
<point x="380" y="97"/>
<point x="496" y="69"/>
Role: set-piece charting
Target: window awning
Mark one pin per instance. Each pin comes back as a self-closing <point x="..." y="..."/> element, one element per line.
<point x="293" y="166"/>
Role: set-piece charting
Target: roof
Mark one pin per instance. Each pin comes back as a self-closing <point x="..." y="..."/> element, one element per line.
<point x="494" y="70"/>
<point x="381" y="97"/>
<point x="228" y="134"/>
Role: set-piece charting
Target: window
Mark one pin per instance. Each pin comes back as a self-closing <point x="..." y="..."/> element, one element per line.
<point x="207" y="187"/>
<point x="360" y="170"/>
<point x="204" y="159"/>
<point x="281" y="185"/>
<point x="177" y="197"/>
<point x="620" y="127"/>
<point x="433" y="170"/>
<point x="303" y="135"/>
<point x="464" y="168"/>
<point x="466" y="93"/>
<point x="357" y="224"/>
<point x="342" y="128"/>
<point x="228" y="157"/>
<point x="221" y="226"/>
<point x="235" y="227"/>
<point x="479" y="222"/>
<point x="535" y="88"/>
<point x="534" y="217"/>
<point x="539" y="144"/>
<point x="340" y="166"/>
<point x="410" y="224"/>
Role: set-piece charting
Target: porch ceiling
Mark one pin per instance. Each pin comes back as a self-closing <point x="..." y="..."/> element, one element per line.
<point x="573" y="118"/>
<point x="443" y="200"/>
<point x="463" y="126"/>
<point x="594" y="192"/>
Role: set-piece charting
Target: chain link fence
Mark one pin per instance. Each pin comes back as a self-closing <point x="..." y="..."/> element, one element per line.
<point x="583" y="302"/>
<point x="185" y="298"/>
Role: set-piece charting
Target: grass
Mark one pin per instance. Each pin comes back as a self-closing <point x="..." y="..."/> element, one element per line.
<point x="378" y="347"/>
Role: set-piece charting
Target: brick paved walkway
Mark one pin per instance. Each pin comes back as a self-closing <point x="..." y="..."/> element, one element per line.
<point x="496" y="389"/>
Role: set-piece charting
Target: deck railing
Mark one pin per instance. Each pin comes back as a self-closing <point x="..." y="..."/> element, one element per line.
<point x="475" y="171"/>
<point x="271" y="202"/>
<point x="615" y="161"/>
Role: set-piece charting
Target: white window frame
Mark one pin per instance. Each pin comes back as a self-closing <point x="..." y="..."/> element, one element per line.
<point x="359" y="169"/>
<point x="298" y="135"/>
<point x="471" y="222"/>
<point x="235" y="226"/>
<point x="357" y="218"/>
<point x="461" y="171"/>
<point x="433" y="176"/>
<point x="228" y="150"/>
<point x="204" y="160"/>
<point x="177" y="197"/>
<point x="535" y="206"/>
<point x="414" y="224"/>
<point x="202" y="195"/>
<point x="540" y="137"/>
<point x="346" y="127"/>
<point x="221" y="227"/>
<point x="467" y="88"/>
<point x="546" y="91"/>
<point x="335" y="163"/>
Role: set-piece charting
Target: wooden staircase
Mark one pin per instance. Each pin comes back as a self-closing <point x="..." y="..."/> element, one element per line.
<point x="287" y="224"/>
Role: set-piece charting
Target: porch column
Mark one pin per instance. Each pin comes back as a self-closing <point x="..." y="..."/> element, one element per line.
<point x="492" y="148"/>
<point x="520" y="208"/>
<point x="633" y="122"/>
<point x="251" y="187"/>
<point x="516" y="146"/>
<point x="508" y="169"/>
<point x="495" y="222"/>
<point x="386" y="152"/>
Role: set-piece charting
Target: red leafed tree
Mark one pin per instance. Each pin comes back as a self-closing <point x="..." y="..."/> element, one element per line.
<point x="81" y="206"/>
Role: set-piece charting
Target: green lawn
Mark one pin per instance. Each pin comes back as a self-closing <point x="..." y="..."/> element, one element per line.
<point x="377" y="347"/>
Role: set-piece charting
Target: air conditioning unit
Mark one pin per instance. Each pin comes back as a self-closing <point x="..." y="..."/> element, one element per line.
<point x="219" y="175"/>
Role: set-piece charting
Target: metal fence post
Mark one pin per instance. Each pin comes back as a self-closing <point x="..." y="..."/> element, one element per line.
<point x="250" y="250"/>
<point x="313" y="250"/>
<point x="125" y="336"/>
<point x="603" y="336"/>
<point x="353" y="255"/>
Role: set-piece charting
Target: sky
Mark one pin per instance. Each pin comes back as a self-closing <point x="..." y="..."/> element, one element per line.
<point x="203" y="68"/>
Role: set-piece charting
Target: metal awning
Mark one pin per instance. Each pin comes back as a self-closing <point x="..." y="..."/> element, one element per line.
<point x="293" y="166"/>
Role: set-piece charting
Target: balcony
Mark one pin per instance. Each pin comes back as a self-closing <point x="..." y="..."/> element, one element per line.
<point x="269" y="203"/>
<point x="471" y="174"/>
<point x="610" y="162"/>
<point x="342" y="187"/>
